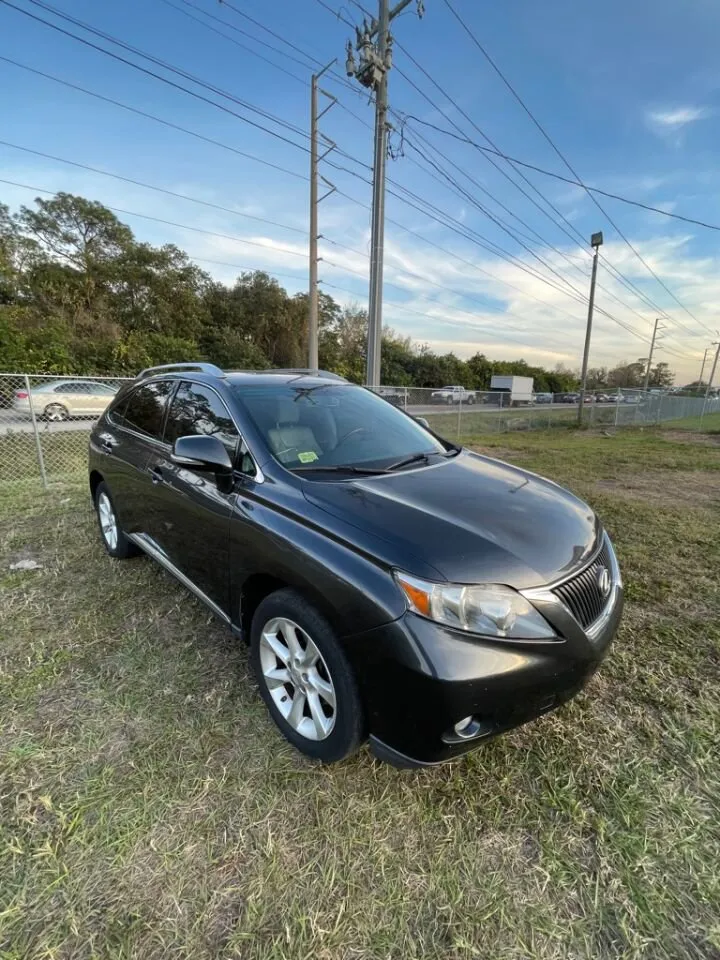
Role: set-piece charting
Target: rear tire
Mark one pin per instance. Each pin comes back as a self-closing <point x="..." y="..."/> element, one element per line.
<point x="56" y="413"/>
<point x="114" y="540"/>
<point x="305" y="679"/>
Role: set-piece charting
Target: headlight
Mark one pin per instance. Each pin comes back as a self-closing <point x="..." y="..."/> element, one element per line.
<point x="489" y="608"/>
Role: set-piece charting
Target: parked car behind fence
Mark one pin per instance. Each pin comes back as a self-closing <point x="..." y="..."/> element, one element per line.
<point x="59" y="400"/>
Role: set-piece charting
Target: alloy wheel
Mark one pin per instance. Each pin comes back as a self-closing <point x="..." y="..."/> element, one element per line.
<point x="56" y="413"/>
<point x="108" y="521"/>
<point x="297" y="678"/>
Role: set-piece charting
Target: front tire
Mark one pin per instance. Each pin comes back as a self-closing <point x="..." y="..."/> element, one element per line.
<point x="114" y="540"/>
<point x="305" y="679"/>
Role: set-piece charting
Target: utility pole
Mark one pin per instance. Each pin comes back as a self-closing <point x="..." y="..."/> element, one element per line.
<point x="596" y="241"/>
<point x="702" y="368"/>
<point x="374" y="45"/>
<point x="714" y="368"/>
<point x="313" y="362"/>
<point x="652" y="350"/>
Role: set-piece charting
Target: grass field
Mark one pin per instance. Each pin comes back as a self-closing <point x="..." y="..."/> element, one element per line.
<point x="148" y="809"/>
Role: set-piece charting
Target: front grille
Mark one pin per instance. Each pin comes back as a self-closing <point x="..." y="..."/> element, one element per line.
<point x="582" y="595"/>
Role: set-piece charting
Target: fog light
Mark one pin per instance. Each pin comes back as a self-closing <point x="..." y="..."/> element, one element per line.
<point x="466" y="728"/>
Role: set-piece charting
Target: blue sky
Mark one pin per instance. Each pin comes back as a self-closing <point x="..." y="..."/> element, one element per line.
<point x="630" y="92"/>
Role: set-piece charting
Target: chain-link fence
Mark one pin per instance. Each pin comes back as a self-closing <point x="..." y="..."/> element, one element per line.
<point x="45" y="424"/>
<point x="45" y="421"/>
<point x="456" y="412"/>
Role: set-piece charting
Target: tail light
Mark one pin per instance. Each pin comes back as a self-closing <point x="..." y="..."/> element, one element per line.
<point x="21" y="394"/>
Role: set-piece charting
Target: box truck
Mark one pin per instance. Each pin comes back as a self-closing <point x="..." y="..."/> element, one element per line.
<point x="517" y="389"/>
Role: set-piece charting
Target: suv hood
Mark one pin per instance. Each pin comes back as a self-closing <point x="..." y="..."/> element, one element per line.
<point x="472" y="518"/>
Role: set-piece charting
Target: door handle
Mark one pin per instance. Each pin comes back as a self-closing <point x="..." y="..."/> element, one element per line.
<point x="156" y="475"/>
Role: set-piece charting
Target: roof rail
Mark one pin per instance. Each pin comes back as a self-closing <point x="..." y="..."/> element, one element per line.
<point x="172" y="367"/>
<point x="308" y="371"/>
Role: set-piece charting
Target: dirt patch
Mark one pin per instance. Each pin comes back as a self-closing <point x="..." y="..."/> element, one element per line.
<point x="690" y="488"/>
<point x="692" y="438"/>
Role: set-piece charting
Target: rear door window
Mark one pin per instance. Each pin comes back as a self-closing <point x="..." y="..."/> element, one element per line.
<point x="197" y="410"/>
<point x="145" y="409"/>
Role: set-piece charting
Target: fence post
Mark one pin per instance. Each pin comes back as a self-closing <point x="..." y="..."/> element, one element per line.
<point x="38" y="445"/>
<point x="617" y="407"/>
<point x="460" y="400"/>
<point x="405" y="393"/>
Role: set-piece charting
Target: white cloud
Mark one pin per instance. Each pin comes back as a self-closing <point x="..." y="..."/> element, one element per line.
<point x="674" y="118"/>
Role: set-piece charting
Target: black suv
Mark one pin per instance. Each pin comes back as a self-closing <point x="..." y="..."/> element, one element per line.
<point x="390" y="583"/>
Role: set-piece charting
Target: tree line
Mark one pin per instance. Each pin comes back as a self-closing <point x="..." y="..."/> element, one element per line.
<point x="79" y="294"/>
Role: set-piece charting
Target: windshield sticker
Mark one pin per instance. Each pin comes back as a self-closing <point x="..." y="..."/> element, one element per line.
<point x="307" y="457"/>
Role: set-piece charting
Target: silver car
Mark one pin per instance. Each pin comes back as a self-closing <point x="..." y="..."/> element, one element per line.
<point x="58" y="400"/>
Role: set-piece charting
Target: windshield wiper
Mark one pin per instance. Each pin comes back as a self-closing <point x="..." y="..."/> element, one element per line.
<point x="338" y="468"/>
<point x="415" y="458"/>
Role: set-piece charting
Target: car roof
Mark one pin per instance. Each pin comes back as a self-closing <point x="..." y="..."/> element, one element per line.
<point x="61" y="381"/>
<point x="248" y="377"/>
<point x="265" y="377"/>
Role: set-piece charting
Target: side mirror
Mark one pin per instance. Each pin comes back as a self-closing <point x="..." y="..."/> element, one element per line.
<point x="423" y="422"/>
<point x="201" y="453"/>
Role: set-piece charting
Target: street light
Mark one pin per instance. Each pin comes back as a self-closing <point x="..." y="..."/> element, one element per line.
<point x="596" y="241"/>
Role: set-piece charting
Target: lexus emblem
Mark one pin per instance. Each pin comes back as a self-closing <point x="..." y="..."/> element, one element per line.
<point x="603" y="581"/>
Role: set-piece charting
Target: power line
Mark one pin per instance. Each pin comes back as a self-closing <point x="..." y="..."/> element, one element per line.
<point x="238" y="43"/>
<point x="207" y="139"/>
<point x="616" y="273"/>
<point x="150" y="186"/>
<point x="274" y="166"/>
<point x="214" y="89"/>
<point x="246" y="269"/>
<point x="576" y="295"/>
<point x="519" y="172"/>
<point x="437" y="303"/>
<point x="293" y="46"/>
<point x="269" y="248"/>
<point x="461" y="138"/>
<point x="623" y="280"/>
<point x="251" y="36"/>
<point x="498" y="251"/>
<point x="567" y="163"/>
<point x="337" y="14"/>
<point x="403" y="269"/>
<point x="291" y="173"/>
<point x="266" y="247"/>
<point x="165" y="80"/>
<point x="495" y="249"/>
<point x="294" y="128"/>
<point x="151" y="116"/>
<point x="608" y="292"/>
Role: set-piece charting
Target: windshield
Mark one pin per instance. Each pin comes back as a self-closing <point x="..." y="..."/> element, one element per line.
<point x="333" y="425"/>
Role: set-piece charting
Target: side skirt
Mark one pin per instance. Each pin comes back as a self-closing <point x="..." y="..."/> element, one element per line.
<point x="148" y="546"/>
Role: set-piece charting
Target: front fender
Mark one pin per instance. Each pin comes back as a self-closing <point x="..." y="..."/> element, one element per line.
<point x="353" y="590"/>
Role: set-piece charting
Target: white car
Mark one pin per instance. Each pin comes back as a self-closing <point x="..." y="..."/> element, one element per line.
<point x="57" y="400"/>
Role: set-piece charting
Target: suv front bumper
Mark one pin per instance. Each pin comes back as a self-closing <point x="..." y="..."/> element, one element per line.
<point x="419" y="678"/>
